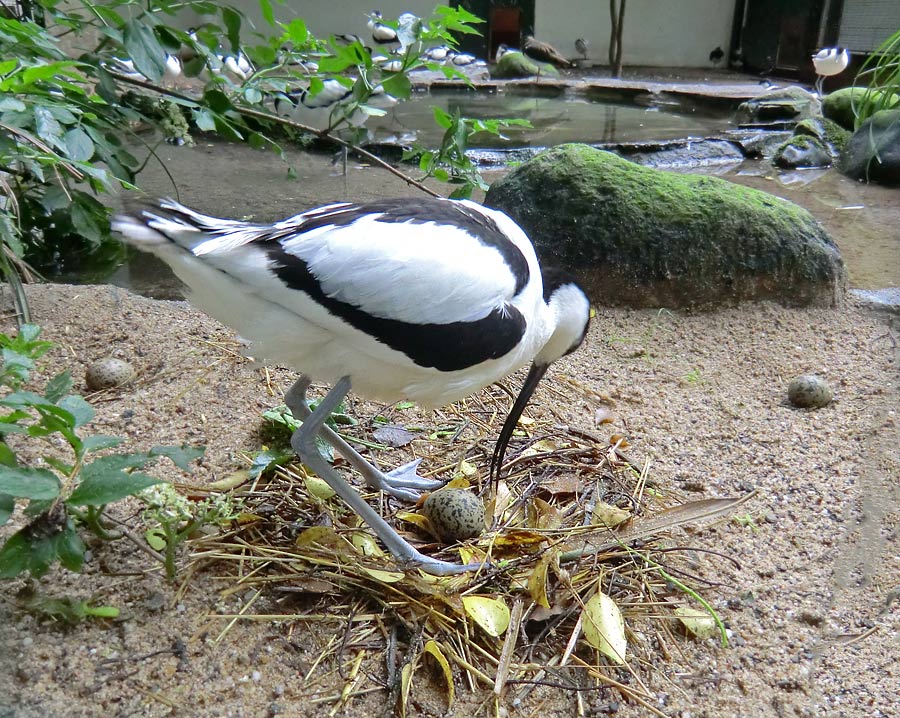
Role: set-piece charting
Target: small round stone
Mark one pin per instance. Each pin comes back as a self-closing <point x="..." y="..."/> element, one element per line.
<point x="455" y="514"/>
<point x="809" y="391"/>
<point x="107" y="372"/>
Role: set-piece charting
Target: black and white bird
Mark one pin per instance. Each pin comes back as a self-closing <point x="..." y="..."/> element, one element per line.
<point x="581" y="47"/>
<point x="543" y="52"/>
<point x="427" y="300"/>
<point x="829" y="61"/>
<point x="436" y="54"/>
<point x="381" y="33"/>
<point x="460" y="59"/>
<point x="171" y="69"/>
<point x="236" y="67"/>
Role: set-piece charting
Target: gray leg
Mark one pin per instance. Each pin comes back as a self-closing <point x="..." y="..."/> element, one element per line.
<point x="402" y="483"/>
<point x="304" y="443"/>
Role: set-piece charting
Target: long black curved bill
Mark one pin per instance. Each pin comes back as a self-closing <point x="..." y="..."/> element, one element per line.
<point x="531" y="381"/>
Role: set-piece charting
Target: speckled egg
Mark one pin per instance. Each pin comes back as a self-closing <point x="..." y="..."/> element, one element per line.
<point x="107" y="372"/>
<point x="809" y="391"/>
<point x="455" y="514"/>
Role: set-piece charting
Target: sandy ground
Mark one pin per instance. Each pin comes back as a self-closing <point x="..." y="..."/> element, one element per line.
<point x="813" y="607"/>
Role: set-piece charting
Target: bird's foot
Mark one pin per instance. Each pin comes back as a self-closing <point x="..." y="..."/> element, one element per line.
<point x="404" y="483"/>
<point x="414" y="559"/>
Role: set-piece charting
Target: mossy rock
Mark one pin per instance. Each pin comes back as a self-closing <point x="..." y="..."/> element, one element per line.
<point x="637" y="236"/>
<point x="802" y="151"/>
<point x="838" y="106"/>
<point x="785" y="104"/>
<point x="826" y="131"/>
<point x="873" y="152"/>
<point x="515" y="64"/>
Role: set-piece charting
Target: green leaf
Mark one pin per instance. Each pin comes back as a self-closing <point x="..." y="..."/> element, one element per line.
<point x="78" y="408"/>
<point x="181" y="456"/>
<point x="105" y="488"/>
<point x="26" y="482"/>
<point x="232" y="20"/>
<point x="14" y="555"/>
<point x="398" y="85"/>
<point x="144" y="49"/>
<point x="100" y="441"/>
<point x="7" y="506"/>
<point x="79" y="146"/>
<point x="58" y="386"/>
<point x="205" y="120"/>
<point x="443" y="118"/>
<point x="7" y="455"/>
<point x="11" y="103"/>
<point x="253" y="96"/>
<point x="265" y="8"/>
<point x="86" y="224"/>
<point x="70" y="548"/>
<point x="47" y="126"/>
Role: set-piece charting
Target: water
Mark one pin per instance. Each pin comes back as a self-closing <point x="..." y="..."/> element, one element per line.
<point x="555" y="120"/>
<point x="236" y="181"/>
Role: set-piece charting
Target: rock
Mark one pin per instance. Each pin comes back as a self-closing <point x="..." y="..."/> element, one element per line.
<point x="809" y="391"/>
<point x="802" y="151"/>
<point x="788" y="103"/>
<point x="643" y="237"/>
<point x="515" y="64"/>
<point x="873" y="152"/>
<point x="107" y="372"/>
<point x="830" y="133"/>
<point x="455" y="514"/>
<point x="839" y="105"/>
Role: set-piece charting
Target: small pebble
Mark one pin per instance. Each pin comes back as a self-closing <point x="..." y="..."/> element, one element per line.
<point x="809" y="391"/>
<point x="455" y="514"/>
<point x="108" y="372"/>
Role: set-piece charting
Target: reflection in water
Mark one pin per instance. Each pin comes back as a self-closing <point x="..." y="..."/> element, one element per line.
<point x="554" y="120"/>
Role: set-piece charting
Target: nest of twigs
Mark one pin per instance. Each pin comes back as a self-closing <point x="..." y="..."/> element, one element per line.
<point x="576" y="516"/>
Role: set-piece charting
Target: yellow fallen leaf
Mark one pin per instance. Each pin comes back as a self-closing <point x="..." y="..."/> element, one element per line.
<point x="324" y="536"/>
<point x="608" y="515"/>
<point x="466" y="469"/>
<point x="230" y="482"/>
<point x="318" y="487"/>
<point x="545" y="446"/>
<point x="413" y="518"/>
<point x="543" y="515"/>
<point x="491" y="614"/>
<point x="696" y="621"/>
<point x="384" y="576"/>
<point x="405" y="686"/>
<point x="433" y="649"/>
<point x="519" y="538"/>
<point x="366" y="544"/>
<point x="537" y="581"/>
<point x="604" y="627"/>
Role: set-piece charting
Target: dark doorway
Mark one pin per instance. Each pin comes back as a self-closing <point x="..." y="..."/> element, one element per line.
<point x="506" y="22"/>
<point x="780" y="36"/>
<point x="504" y="28"/>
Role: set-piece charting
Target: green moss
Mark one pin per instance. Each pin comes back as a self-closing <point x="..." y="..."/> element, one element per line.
<point x="839" y="105"/>
<point x="515" y="64"/>
<point x="676" y="234"/>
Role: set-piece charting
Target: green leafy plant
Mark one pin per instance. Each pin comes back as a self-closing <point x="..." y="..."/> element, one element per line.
<point x="880" y="75"/>
<point x="66" y="492"/>
<point x="449" y="162"/>
<point x="173" y="518"/>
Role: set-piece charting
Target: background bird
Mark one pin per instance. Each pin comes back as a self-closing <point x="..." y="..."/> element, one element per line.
<point x="381" y="33"/>
<point x="543" y="52"/>
<point x="828" y="62"/>
<point x="717" y="55"/>
<point x="581" y="47"/>
<point x="421" y="299"/>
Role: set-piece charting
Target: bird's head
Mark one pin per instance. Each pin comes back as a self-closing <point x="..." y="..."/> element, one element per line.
<point x="570" y="310"/>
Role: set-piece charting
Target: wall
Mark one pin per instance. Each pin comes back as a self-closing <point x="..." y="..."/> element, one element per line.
<point x="673" y="33"/>
<point x="664" y="33"/>
<point x="335" y="17"/>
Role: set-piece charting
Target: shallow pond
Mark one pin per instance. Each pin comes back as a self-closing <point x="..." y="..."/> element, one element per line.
<point x="555" y="119"/>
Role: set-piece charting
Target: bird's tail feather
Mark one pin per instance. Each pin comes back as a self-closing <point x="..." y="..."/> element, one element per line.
<point x="147" y="223"/>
